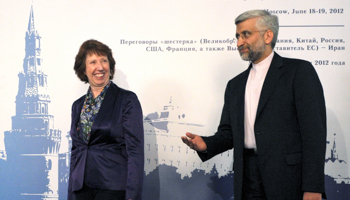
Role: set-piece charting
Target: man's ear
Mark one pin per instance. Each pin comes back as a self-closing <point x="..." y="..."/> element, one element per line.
<point x="268" y="36"/>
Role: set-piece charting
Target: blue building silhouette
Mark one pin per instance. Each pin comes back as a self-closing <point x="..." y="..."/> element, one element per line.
<point x="32" y="146"/>
<point x="31" y="167"/>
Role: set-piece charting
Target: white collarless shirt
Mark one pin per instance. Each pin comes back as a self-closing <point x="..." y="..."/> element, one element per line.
<point x="253" y="88"/>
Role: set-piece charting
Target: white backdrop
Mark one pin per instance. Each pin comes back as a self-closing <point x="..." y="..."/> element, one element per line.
<point x="191" y="74"/>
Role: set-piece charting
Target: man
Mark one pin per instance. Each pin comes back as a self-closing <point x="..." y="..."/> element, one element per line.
<point x="274" y="117"/>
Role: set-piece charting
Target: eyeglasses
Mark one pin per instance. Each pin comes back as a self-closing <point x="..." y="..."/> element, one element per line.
<point x="246" y="34"/>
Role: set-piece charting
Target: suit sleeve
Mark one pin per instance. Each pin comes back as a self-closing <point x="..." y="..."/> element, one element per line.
<point x="134" y="139"/>
<point x="223" y="139"/>
<point x="311" y="112"/>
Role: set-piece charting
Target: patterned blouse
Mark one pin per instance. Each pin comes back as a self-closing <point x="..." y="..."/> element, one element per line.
<point x="89" y="111"/>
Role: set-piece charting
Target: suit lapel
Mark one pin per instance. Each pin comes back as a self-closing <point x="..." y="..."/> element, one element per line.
<point x="241" y="92"/>
<point x="77" y="110"/>
<point x="106" y="109"/>
<point x="272" y="77"/>
<point x="76" y="116"/>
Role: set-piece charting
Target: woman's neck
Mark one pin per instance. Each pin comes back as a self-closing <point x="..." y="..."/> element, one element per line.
<point x="96" y="91"/>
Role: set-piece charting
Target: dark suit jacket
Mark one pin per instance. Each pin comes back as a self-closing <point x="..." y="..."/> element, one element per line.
<point x="114" y="157"/>
<point x="290" y="130"/>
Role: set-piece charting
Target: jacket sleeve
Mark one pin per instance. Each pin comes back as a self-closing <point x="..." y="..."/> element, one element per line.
<point x="311" y="112"/>
<point x="134" y="140"/>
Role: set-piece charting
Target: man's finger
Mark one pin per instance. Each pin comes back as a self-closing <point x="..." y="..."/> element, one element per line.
<point x="186" y="140"/>
<point x="190" y="135"/>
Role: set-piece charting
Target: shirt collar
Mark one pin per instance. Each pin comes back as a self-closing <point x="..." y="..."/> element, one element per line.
<point x="265" y="63"/>
<point x="102" y="94"/>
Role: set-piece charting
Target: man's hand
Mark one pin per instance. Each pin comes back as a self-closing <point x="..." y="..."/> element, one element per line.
<point x="194" y="141"/>
<point x="312" y="196"/>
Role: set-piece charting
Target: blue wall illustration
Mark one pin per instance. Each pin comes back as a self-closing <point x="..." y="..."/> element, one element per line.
<point x="32" y="145"/>
<point x="31" y="166"/>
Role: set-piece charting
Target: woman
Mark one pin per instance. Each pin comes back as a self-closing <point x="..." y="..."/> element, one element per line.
<point x="107" y="132"/>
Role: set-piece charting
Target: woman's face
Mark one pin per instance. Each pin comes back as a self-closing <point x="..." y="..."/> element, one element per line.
<point x="97" y="70"/>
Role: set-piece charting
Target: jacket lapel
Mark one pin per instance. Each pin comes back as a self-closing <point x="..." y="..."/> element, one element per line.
<point x="272" y="77"/>
<point x="241" y="92"/>
<point x="106" y="109"/>
<point x="76" y="116"/>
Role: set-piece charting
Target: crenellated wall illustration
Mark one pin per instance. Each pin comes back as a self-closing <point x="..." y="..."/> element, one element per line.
<point x="179" y="90"/>
<point x="32" y="146"/>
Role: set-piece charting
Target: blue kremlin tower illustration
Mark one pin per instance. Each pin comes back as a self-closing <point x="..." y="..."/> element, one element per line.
<point x="32" y="146"/>
<point x="31" y="167"/>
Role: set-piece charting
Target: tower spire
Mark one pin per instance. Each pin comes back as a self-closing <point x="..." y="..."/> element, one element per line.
<point x="32" y="146"/>
<point x="31" y="27"/>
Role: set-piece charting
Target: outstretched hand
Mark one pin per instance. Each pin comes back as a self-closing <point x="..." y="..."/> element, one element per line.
<point x="312" y="196"/>
<point x="194" y="141"/>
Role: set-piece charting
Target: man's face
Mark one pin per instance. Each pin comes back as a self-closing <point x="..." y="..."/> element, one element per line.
<point x="250" y="41"/>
